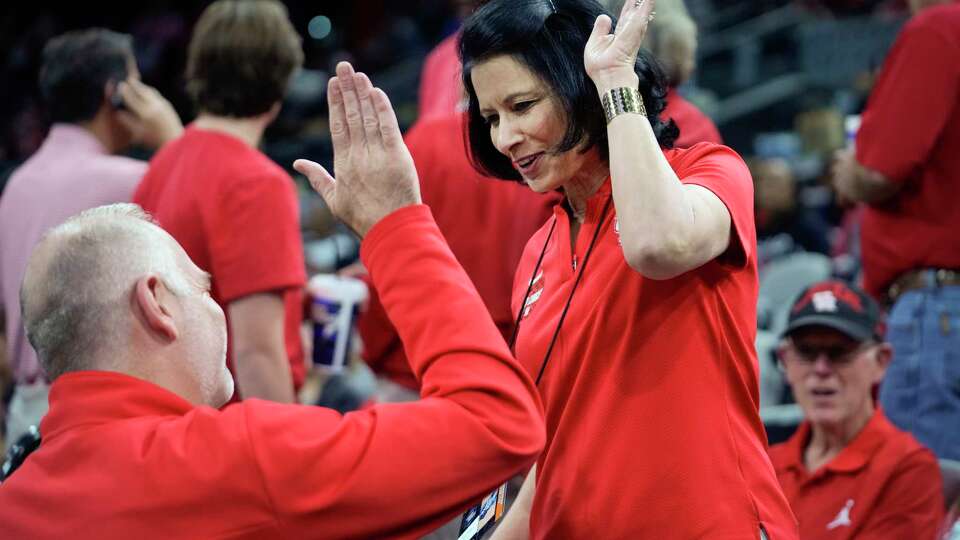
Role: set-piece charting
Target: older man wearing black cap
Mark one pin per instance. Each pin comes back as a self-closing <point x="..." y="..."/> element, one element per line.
<point x="847" y="471"/>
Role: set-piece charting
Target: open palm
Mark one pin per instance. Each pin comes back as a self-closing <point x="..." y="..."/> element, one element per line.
<point x="611" y="56"/>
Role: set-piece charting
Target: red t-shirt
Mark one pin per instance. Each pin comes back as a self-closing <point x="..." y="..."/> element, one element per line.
<point x="694" y="126"/>
<point x="911" y="134"/>
<point x="487" y="222"/>
<point x="651" y="393"/>
<point x="236" y="215"/>
<point x="884" y="484"/>
<point x="441" y="89"/>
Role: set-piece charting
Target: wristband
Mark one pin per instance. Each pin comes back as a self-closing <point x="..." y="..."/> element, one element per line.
<point x="622" y="100"/>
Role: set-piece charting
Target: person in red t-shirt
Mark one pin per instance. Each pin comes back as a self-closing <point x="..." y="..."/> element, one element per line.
<point x="637" y="299"/>
<point x="486" y="222"/>
<point x="847" y="471"/>
<point x="905" y="171"/>
<point x="672" y="38"/>
<point x="232" y="209"/>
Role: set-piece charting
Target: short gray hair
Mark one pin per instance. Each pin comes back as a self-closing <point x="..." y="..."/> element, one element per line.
<point x="79" y="278"/>
<point x="663" y="35"/>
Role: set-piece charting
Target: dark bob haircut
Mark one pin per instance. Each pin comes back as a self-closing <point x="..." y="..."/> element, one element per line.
<point x="548" y="37"/>
<point x="77" y="67"/>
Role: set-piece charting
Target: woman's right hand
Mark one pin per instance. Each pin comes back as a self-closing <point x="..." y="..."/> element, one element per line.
<point x="609" y="58"/>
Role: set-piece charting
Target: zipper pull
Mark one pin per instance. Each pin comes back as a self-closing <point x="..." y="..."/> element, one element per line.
<point x="574" y="263"/>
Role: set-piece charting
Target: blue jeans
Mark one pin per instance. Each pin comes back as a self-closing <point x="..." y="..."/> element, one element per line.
<point x="921" y="390"/>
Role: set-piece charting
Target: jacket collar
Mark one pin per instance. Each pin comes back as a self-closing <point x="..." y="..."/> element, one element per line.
<point x="97" y="397"/>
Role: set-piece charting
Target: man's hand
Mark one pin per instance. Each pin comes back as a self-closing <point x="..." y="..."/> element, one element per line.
<point x="149" y="116"/>
<point x="844" y="176"/>
<point x="855" y="183"/>
<point x="374" y="172"/>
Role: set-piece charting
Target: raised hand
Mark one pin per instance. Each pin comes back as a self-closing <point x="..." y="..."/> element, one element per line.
<point x="149" y="117"/>
<point x="609" y="58"/>
<point x="373" y="171"/>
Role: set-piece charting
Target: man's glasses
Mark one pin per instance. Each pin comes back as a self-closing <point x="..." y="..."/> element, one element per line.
<point x="837" y="354"/>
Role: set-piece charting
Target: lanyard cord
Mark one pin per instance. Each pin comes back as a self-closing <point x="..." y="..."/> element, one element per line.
<point x="563" y="315"/>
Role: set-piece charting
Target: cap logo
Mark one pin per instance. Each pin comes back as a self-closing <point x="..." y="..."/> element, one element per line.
<point x="826" y="297"/>
<point x="825" y="301"/>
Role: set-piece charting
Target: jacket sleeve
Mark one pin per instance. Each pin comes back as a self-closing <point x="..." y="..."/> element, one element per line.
<point x="912" y="505"/>
<point x="402" y="470"/>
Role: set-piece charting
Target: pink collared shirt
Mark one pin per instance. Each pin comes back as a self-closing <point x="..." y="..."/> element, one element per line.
<point x="71" y="172"/>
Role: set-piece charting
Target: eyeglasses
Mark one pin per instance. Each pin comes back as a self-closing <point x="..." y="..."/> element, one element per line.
<point x="837" y="355"/>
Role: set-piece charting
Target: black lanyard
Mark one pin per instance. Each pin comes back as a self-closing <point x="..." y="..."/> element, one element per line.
<point x="563" y="315"/>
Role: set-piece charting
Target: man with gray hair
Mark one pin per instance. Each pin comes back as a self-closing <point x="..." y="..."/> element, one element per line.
<point x="134" y="445"/>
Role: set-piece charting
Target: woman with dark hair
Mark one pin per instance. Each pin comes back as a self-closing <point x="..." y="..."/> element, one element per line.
<point x="636" y="300"/>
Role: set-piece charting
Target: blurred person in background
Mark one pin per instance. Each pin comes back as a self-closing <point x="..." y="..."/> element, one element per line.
<point x="847" y="471"/>
<point x="904" y="169"/>
<point x="487" y="223"/>
<point x="779" y="210"/>
<point x="233" y="209"/>
<point x="92" y="91"/>
<point x="648" y="372"/>
<point x="672" y="39"/>
<point x="441" y="86"/>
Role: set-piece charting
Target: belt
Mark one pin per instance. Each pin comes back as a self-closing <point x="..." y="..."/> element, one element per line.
<point x="923" y="278"/>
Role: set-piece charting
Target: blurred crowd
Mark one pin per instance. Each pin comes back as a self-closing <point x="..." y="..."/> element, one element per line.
<point x="786" y="84"/>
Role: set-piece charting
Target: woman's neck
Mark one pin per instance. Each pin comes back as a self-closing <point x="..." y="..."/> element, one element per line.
<point x="249" y="130"/>
<point x="581" y="187"/>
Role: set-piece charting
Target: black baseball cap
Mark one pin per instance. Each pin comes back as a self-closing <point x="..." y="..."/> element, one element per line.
<point x="839" y="306"/>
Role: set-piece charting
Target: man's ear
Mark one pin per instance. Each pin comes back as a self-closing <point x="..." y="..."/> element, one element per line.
<point x="883" y="355"/>
<point x="153" y="300"/>
<point x="274" y="112"/>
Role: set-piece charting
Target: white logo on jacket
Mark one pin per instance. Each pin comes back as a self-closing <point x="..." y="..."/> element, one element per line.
<point x="843" y="517"/>
<point x="536" y="290"/>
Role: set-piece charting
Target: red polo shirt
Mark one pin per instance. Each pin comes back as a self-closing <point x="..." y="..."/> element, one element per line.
<point x="487" y="222"/>
<point x="911" y="134"/>
<point x="883" y="485"/>
<point x="651" y="392"/>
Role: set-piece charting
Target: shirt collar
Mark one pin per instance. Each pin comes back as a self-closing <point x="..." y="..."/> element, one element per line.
<point x="75" y="136"/>
<point x="852" y="458"/>
<point x="96" y="397"/>
<point x="594" y="203"/>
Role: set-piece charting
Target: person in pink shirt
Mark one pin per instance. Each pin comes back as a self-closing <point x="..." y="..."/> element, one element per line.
<point x="98" y="106"/>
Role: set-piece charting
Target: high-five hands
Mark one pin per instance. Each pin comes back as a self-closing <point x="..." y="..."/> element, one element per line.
<point x="373" y="172"/>
<point x="609" y="58"/>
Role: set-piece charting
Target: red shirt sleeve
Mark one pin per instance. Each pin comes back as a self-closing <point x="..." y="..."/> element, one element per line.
<point x="894" y="139"/>
<point x="255" y="243"/>
<point x="913" y="506"/>
<point x="723" y="172"/>
<point x="401" y="470"/>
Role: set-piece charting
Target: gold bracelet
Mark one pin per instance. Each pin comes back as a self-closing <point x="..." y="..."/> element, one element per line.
<point x="622" y="100"/>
